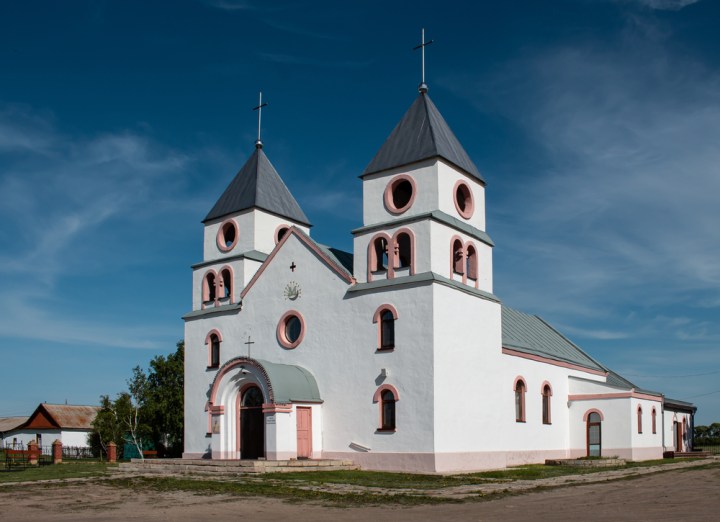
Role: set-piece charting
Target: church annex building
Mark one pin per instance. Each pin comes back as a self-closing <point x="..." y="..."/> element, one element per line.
<point x="398" y="355"/>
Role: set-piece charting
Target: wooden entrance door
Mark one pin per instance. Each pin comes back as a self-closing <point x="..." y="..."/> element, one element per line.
<point x="678" y="436"/>
<point x="252" y="424"/>
<point x="304" y="432"/>
<point x="594" y="435"/>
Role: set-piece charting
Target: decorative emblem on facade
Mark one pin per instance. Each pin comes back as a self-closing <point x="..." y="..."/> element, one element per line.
<point x="292" y="290"/>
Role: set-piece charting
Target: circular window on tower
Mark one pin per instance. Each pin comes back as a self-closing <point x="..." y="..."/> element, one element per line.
<point x="291" y="329"/>
<point x="400" y="194"/>
<point x="280" y="233"/>
<point x="464" y="199"/>
<point x="227" y="235"/>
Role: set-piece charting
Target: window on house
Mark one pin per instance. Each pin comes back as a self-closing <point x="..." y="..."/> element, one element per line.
<point x="399" y="194"/>
<point x="458" y="257"/>
<point x="226" y="278"/>
<point x="546" y="394"/>
<point x="654" y="420"/>
<point x="214" y="351"/>
<point x="281" y="234"/>
<point x="387" y="405"/>
<point x="380" y="258"/>
<point x="463" y="200"/>
<point x="387" y="330"/>
<point x="209" y="287"/>
<point x="227" y="235"/>
<point x="291" y="329"/>
<point x="404" y="250"/>
<point x="639" y="418"/>
<point x="520" y="401"/>
<point x="471" y="263"/>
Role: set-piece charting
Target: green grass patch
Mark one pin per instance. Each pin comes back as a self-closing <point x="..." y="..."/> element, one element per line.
<point x="265" y="487"/>
<point x="55" y="471"/>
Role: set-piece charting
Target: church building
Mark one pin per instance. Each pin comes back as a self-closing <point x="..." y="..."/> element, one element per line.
<point x="397" y="355"/>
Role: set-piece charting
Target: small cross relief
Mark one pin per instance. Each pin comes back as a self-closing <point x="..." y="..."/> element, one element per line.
<point x="293" y="266"/>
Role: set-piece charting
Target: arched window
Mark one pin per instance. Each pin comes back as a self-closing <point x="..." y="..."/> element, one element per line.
<point x="387" y="405"/>
<point x="458" y="257"/>
<point x="404" y="251"/>
<point x="520" y="400"/>
<point x="213" y="341"/>
<point x="208" y="289"/>
<point x="653" y="417"/>
<point x="387" y="330"/>
<point x="594" y="434"/>
<point x="639" y="418"/>
<point x="546" y="394"/>
<point x="380" y="255"/>
<point x="226" y="281"/>
<point x="471" y="262"/>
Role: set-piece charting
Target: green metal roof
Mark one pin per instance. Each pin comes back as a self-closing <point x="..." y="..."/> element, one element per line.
<point x="530" y="334"/>
<point x="291" y="383"/>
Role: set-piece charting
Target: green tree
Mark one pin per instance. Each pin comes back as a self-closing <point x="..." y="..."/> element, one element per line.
<point x="163" y="404"/>
<point x="110" y="424"/>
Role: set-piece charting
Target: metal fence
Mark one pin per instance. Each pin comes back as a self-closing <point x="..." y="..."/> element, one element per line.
<point x="77" y="452"/>
<point x="710" y="448"/>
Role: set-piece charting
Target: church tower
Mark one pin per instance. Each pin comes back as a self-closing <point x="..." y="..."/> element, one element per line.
<point x="241" y="229"/>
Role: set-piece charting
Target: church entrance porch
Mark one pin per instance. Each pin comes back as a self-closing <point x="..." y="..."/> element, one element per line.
<point x="263" y="410"/>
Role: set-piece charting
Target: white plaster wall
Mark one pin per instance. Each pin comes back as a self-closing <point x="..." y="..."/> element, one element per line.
<point x="73" y="438"/>
<point x="616" y="426"/>
<point x="646" y="445"/>
<point x="426" y="192"/>
<point x="256" y="231"/>
<point x="447" y="177"/>
<point x="592" y="384"/>
<point x="439" y="251"/>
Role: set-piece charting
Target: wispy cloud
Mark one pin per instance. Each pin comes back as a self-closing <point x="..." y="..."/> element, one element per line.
<point x="665" y="5"/>
<point x="233" y="5"/>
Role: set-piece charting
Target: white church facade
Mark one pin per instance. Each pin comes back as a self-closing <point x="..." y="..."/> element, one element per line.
<point x="398" y="355"/>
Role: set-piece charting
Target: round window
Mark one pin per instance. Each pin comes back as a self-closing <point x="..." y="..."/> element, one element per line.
<point x="400" y="194"/>
<point x="280" y="233"/>
<point x="463" y="200"/>
<point x="291" y="329"/>
<point x="227" y="235"/>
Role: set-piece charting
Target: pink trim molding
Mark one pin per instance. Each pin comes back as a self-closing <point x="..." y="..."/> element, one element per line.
<point x="294" y="231"/>
<point x="542" y="387"/>
<point x="280" y="331"/>
<point x="469" y="201"/>
<point x="374" y="264"/>
<point x="220" y="238"/>
<point x="619" y="395"/>
<point x="383" y="307"/>
<point x="278" y="229"/>
<point x="593" y="410"/>
<point x="382" y="388"/>
<point x="387" y="197"/>
<point x="205" y="293"/>
<point x="277" y="408"/>
<point x="396" y="249"/>
<point x="538" y="358"/>
<point x="220" y="283"/>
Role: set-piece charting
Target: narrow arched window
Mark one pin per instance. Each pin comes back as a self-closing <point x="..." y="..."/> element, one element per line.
<point x="458" y="257"/>
<point x="654" y="420"/>
<point x="226" y="278"/>
<point x="387" y="330"/>
<point x="639" y="419"/>
<point x="546" y="393"/>
<point x="380" y="255"/>
<point x="471" y="263"/>
<point x="214" y="351"/>
<point x="404" y="251"/>
<point x="520" y="401"/>
<point x="387" y="405"/>
<point x="208" y="289"/>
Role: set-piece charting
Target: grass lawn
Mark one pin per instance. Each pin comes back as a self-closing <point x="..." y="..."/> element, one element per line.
<point x="59" y="471"/>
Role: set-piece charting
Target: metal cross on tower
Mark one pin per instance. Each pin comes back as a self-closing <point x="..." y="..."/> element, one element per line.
<point x="423" y="88"/>
<point x="258" y="143"/>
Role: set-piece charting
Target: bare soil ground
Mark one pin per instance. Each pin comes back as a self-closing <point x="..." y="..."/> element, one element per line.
<point x="683" y="494"/>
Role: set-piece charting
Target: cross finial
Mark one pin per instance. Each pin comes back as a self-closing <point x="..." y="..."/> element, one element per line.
<point x="423" y="88"/>
<point x="249" y="343"/>
<point x="258" y="143"/>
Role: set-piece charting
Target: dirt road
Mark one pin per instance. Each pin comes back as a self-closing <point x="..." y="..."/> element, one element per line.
<point x="687" y="495"/>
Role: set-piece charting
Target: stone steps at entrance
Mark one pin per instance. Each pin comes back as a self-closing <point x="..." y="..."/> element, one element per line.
<point x="229" y="467"/>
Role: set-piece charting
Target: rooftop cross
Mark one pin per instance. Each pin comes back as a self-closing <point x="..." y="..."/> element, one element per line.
<point x="423" y="88"/>
<point x="258" y="143"/>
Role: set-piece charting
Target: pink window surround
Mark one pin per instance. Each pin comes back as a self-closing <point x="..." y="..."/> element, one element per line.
<point x="220" y="283"/>
<point x="209" y="292"/>
<point x="462" y="190"/>
<point x="519" y="387"/>
<point x="208" y="342"/>
<point x="653" y="416"/>
<point x="593" y="410"/>
<point x="282" y="338"/>
<point x="377" y="398"/>
<point x="280" y="232"/>
<point x="393" y="247"/>
<point x="223" y="231"/>
<point x="546" y="393"/>
<point x="464" y="260"/>
<point x="377" y="319"/>
<point x="391" y="187"/>
<point x="639" y="419"/>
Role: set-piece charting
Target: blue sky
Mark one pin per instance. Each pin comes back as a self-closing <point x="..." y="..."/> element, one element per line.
<point x="595" y="123"/>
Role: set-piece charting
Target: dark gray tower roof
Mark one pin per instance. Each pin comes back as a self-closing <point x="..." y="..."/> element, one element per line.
<point x="258" y="185"/>
<point x="422" y="134"/>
